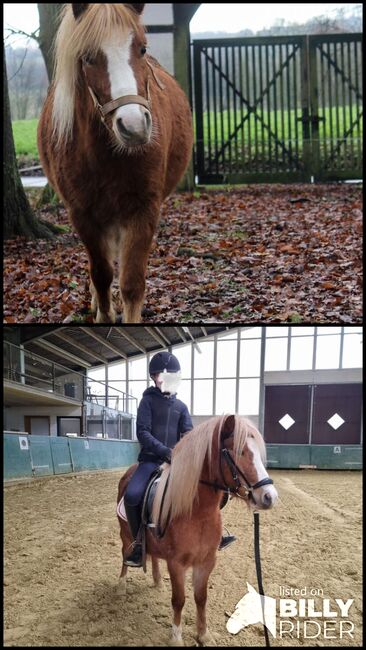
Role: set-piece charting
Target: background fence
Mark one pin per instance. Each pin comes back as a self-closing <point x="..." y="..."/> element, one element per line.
<point x="26" y="456"/>
<point x="278" y="109"/>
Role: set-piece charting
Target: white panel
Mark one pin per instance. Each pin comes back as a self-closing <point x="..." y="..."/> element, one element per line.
<point x="225" y="396"/>
<point x="335" y="421"/>
<point x="226" y="358"/>
<point x="248" y="396"/>
<point x="158" y="14"/>
<point x="161" y="47"/>
<point x="286" y="421"/>
<point x="203" y="396"/>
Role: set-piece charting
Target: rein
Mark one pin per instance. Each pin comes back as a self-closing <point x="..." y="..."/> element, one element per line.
<point x="124" y="100"/>
<point x="259" y="572"/>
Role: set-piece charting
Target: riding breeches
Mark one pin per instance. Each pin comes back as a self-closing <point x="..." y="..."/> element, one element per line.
<point x="138" y="483"/>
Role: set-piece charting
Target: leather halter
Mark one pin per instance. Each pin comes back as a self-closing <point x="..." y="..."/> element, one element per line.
<point x="124" y="100"/>
<point x="235" y="470"/>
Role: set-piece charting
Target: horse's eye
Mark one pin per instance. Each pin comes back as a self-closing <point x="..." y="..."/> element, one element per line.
<point x="89" y="60"/>
<point x="143" y="50"/>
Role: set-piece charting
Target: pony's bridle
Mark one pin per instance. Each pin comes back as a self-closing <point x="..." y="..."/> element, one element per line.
<point x="109" y="107"/>
<point x="235" y="471"/>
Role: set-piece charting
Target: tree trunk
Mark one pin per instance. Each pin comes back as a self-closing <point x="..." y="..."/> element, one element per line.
<point x="49" y="20"/>
<point x="18" y="216"/>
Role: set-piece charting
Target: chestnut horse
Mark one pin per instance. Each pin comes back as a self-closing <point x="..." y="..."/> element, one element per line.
<point x="114" y="138"/>
<point x="225" y="453"/>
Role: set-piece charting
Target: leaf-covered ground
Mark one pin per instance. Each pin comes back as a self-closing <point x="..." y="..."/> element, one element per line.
<point x="263" y="253"/>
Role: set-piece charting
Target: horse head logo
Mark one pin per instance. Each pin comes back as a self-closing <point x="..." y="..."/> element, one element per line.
<point x="250" y="609"/>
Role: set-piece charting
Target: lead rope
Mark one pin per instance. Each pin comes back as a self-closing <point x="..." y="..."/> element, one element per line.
<point x="259" y="572"/>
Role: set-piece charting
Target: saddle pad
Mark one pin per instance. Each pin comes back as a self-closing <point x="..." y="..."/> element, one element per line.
<point x="121" y="512"/>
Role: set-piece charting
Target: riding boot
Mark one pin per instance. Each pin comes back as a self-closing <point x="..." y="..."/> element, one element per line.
<point x="134" y="521"/>
<point x="226" y="540"/>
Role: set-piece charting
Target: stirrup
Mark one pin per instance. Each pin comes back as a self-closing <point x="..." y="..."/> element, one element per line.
<point x="226" y="540"/>
<point x="135" y="558"/>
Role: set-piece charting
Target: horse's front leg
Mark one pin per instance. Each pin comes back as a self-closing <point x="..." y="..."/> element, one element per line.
<point x="156" y="572"/>
<point x="200" y="577"/>
<point x="136" y="244"/>
<point x="100" y="257"/>
<point x="177" y="577"/>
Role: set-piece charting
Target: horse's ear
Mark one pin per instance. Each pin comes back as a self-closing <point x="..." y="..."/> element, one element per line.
<point x="79" y="9"/>
<point x="228" y="426"/>
<point x="138" y="8"/>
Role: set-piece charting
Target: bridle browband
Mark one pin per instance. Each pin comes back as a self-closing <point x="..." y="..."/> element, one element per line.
<point x="235" y="470"/>
<point x="124" y="100"/>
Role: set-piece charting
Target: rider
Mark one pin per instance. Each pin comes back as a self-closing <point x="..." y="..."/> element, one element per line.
<point x="162" y="420"/>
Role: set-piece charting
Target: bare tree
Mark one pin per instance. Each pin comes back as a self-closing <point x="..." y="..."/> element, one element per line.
<point x="49" y="20"/>
<point x="18" y="216"/>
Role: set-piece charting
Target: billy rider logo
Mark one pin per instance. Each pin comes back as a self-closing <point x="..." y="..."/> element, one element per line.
<point x="298" y="612"/>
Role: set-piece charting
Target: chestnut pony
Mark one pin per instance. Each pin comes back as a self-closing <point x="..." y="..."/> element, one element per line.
<point x="114" y="138"/>
<point x="225" y="452"/>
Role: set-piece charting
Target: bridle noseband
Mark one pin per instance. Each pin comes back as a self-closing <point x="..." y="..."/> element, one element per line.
<point x="235" y="470"/>
<point x="124" y="100"/>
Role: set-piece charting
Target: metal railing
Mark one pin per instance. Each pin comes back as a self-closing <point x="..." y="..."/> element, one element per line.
<point x="32" y="370"/>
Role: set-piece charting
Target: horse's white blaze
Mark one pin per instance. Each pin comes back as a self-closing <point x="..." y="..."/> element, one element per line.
<point x="122" y="81"/>
<point x="261" y="470"/>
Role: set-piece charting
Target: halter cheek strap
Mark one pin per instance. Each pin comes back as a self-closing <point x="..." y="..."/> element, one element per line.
<point x="109" y="107"/>
<point x="235" y="470"/>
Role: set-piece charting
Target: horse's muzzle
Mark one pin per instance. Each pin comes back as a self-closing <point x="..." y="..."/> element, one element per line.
<point x="268" y="498"/>
<point x="134" y="130"/>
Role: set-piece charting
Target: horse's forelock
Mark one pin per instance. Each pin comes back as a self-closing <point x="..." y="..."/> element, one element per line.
<point x="244" y="427"/>
<point x="96" y="26"/>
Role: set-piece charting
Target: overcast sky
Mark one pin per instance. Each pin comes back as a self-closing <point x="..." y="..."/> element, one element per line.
<point x="209" y="17"/>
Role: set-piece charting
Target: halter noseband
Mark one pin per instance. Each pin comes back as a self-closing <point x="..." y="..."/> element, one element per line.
<point x="235" y="470"/>
<point x="124" y="100"/>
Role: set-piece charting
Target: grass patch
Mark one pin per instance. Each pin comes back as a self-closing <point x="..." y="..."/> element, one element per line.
<point x="255" y="134"/>
<point x="25" y="138"/>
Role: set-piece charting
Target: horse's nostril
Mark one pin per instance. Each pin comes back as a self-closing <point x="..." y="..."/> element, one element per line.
<point x="267" y="499"/>
<point x="147" y="119"/>
<point x="122" y="129"/>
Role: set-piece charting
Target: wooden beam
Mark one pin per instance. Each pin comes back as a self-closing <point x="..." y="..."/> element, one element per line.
<point x="156" y="336"/>
<point x="81" y="347"/>
<point x="46" y="345"/>
<point x="177" y="329"/>
<point x="163" y="336"/>
<point x="122" y="332"/>
<point x="90" y="332"/>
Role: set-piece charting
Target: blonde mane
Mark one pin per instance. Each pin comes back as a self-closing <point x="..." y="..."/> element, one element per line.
<point x="187" y="463"/>
<point x="75" y="38"/>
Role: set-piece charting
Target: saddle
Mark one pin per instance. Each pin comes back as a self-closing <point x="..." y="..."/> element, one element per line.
<point x="146" y="513"/>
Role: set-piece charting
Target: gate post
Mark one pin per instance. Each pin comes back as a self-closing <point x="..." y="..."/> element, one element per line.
<point x="305" y="107"/>
<point x="314" y="108"/>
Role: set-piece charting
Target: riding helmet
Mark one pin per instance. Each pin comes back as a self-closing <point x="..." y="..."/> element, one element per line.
<point x="163" y="361"/>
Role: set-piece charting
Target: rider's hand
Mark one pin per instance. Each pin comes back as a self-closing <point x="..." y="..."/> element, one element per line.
<point x="168" y="457"/>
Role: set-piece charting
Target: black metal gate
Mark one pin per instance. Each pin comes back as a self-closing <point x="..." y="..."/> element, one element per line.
<point x="280" y="109"/>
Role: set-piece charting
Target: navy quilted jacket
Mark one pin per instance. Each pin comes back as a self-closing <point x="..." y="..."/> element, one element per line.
<point x="161" y="422"/>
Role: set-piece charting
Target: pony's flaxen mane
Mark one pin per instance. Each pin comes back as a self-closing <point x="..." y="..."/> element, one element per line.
<point x="75" y="38"/>
<point x="188" y="458"/>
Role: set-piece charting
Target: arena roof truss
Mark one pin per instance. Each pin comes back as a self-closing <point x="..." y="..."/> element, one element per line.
<point x="83" y="347"/>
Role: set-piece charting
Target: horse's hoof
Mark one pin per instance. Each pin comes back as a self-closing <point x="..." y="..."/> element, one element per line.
<point x="175" y="642"/>
<point x="159" y="585"/>
<point x="206" y="640"/>
<point x="102" y="317"/>
<point x="176" y="638"/>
